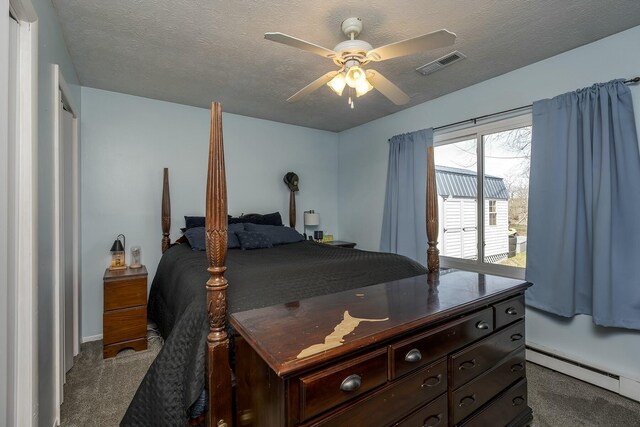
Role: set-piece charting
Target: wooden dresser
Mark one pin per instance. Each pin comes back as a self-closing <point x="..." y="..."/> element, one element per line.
<point x="441" y="350"/>
<point x="125" y="311"/>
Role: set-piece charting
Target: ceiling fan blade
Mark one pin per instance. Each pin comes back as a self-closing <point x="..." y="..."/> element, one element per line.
<point x="313" y="86"/>
<point x="388" y="89"/>
<point x="434" y="40"/>
<point x="300" y="44"/>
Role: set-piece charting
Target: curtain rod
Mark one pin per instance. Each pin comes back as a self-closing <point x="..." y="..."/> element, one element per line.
<point x="633" y="80"/>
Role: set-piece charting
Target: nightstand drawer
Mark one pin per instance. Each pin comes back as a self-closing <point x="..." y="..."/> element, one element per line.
<point x="127" y="293"/>
<point x="124" y="325"/>
<point x="415" y="352"/>
<point x="337" y="384"/>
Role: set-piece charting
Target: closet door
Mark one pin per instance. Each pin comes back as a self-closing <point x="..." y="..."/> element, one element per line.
<point x="67" y="260"/>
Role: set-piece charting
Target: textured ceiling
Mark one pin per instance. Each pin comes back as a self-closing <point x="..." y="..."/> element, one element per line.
<point x="196" y="51"/>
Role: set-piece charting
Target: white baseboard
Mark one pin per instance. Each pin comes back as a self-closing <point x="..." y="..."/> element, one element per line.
<point x="91" y="338"/>
<point x="618" y="384"/>
<point x="630" y="388"/>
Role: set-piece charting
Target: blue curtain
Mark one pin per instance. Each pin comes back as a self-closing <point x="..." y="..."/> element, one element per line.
<point x="584" y="206"/>
<point x="404" y="221"/>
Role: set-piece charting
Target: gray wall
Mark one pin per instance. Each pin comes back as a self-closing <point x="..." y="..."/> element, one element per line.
<point x="363" y="169"/>
<point x="127" y="140"/>
<point x="51" y="50"/>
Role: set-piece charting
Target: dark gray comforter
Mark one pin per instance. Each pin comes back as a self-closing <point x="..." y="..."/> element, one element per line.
<point x="258" y="278"/>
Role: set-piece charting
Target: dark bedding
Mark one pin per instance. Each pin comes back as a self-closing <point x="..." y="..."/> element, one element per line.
<point x="257" y="278"/>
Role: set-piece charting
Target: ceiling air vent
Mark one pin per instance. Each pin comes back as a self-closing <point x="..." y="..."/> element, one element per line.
<point x="440" y="63"/>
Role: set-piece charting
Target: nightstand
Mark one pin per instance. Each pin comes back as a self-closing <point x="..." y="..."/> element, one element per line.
<point x="341" y="243"/>
<point x="125" y="311"/>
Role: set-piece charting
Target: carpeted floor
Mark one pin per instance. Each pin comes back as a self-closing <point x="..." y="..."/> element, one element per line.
<point x="98" y="392"/>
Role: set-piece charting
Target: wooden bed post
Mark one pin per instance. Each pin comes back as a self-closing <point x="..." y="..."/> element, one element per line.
<point x="166" y="212"/>
<point x="218" y="367"/>
<point x="433" y="260"/>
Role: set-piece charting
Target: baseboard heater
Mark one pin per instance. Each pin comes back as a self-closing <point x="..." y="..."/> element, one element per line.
<point x="618" y="384"/>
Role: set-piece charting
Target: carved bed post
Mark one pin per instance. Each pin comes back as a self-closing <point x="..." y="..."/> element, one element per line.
<point x="166" y="212"/>
<point x="433" y="260"/>
<point x="218" y="367"/>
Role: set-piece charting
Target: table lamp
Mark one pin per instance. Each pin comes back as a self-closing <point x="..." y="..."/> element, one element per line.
<point x="311" y="219"/>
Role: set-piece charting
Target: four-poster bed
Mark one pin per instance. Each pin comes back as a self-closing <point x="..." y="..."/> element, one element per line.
<point x="411" y="332"/>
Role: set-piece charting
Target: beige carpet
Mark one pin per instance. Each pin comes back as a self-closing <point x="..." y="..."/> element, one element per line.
<point x="98" y="392"/>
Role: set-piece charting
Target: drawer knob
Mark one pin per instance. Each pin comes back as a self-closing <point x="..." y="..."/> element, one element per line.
<point x="516" y="337"/>
<point x="517" y="367"/>
<point x="432" y="381"/>
<point x="511" y="311"/>
<point x="468" y="401"/>
<point x="517" y="401"/>
<point x="468" y="364"/>
<point x="413" y="356"/>
<point x="482" y="325"/>
<point x="351" y="383"/>
<point x="432" y="421"/>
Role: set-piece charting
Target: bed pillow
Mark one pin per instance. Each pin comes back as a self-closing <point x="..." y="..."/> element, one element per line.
<point x="197" y="240"/>
<point x="196" y="221"/>
<point x="253" y="240"/>
<point x="193" y="221"/>
<point x="278" y="235"/>
<point x="267" y="219"/>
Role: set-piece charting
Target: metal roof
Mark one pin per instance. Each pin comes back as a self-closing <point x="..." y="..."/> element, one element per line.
<point x="462" y="183"/>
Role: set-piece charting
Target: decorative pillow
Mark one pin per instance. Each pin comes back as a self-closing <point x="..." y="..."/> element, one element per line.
<point x="268" y="219"/>
<point x="196" y="238"/>
<point x="253" y="240"/>
<point x="278" y="235"/>
<point x="234" y="228"/>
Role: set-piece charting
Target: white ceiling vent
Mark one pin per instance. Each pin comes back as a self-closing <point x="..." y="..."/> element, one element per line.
<point x="438" y="64"/>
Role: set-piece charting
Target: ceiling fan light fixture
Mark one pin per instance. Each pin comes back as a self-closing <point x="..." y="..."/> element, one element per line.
<point x="337" y="83"/>
<point x="363" y="86"/>
<point x="354" y="75"/>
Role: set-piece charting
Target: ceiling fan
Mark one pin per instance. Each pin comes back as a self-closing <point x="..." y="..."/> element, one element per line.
<point x="351" y="55"/>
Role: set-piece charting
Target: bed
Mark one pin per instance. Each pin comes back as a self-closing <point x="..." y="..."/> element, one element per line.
<point x="192" y="296"/>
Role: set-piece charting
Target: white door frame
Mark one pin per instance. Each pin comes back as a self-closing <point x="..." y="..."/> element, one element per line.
<point x="62" y="95"/>
<point x="22" y="273"/>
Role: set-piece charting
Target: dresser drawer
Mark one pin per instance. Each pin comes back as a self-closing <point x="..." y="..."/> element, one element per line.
<point x="509" y="311"/>
<point x="423" y="349"/>
<point x="398" y="399"/>
<point x="124" y="325"/>
<point x="507" y="406"/>
<point x="432" y="415"/>
<point x="476" y="359"/>
<point x="337" y="384"/>
<point x="473" y="395"/>
<point x="125" y="293"/>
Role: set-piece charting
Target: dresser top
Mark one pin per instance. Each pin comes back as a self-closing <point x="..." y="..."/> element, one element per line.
<point x="294" y="336"/>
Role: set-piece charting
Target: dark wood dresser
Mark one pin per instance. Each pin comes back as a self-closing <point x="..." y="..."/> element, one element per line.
<point x="124" y="322"/>
<point x="431" y="350"/>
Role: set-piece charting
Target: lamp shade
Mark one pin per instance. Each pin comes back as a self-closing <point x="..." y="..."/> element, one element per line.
<point x="117" y="246"/>
<point x="311" y="218"/>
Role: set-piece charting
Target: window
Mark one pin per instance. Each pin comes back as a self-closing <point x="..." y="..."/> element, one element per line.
<point x="487" y="233"/>
<point x="493" y="213"/>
